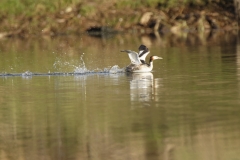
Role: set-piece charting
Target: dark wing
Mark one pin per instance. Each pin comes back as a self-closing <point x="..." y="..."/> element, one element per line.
<point x="143" y="52"/>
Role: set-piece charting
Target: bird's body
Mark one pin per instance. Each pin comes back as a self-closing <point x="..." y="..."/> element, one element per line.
<point x="138" y="63"/>
<point x="138" y="68"/>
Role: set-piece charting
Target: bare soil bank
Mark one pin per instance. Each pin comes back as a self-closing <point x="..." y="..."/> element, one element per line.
<point x="107" y="19"/>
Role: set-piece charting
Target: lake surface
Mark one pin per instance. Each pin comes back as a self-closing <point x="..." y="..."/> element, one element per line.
<point x="187" y="108"/>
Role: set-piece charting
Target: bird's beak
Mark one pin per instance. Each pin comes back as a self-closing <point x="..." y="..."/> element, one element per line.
<point x="156" y="57"/>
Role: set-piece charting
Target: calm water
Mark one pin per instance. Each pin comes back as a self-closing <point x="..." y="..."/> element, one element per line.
<point x="187" y="108"/>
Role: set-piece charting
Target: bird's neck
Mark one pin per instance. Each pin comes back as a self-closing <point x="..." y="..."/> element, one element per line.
<point x="151" y="63"/>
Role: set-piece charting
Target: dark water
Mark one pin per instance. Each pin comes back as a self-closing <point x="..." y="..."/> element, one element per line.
<point x="187" y="108"/>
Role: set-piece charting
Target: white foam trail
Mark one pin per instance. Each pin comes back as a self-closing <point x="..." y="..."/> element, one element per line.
<point x="115" y="69"/>
<point x="27" y="73"/>
<point x="78" y="70"/>
<point x="81" y="70"/>
<point x="112" y="70"/>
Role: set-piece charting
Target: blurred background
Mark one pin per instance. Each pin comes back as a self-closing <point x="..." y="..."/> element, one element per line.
<point x="186" y="108"/>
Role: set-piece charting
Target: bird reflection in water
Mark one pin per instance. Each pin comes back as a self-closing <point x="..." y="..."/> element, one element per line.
<point x="143" y="87"/>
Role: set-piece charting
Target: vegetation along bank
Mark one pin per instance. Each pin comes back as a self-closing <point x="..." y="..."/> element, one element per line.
<point x="25" y="18"/>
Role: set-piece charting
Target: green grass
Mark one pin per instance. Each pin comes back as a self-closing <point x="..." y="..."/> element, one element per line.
<point x="22" y="6"/>
<point x="15" y="7"/>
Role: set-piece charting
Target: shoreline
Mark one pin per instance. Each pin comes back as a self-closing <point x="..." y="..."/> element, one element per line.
<point x="108" y="20"/>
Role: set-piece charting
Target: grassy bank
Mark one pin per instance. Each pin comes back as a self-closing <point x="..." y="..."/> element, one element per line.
<point x="34" y="17"/>
<point x="15" y="7"/>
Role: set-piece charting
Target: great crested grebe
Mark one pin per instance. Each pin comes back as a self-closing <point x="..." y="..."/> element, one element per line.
<point x="138" y="63"/>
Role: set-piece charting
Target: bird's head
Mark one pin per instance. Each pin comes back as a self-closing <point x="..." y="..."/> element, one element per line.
<point x="154" y="58"/>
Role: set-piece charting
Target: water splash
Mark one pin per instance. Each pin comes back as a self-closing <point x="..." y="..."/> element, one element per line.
<point x="77" y="71"/>
<point x="81" y="69"/>
<point x="61" y="64"/>
<point x="112" y="70"/>
<point x="115" y="69"/>
<point x="27" y="73"/>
